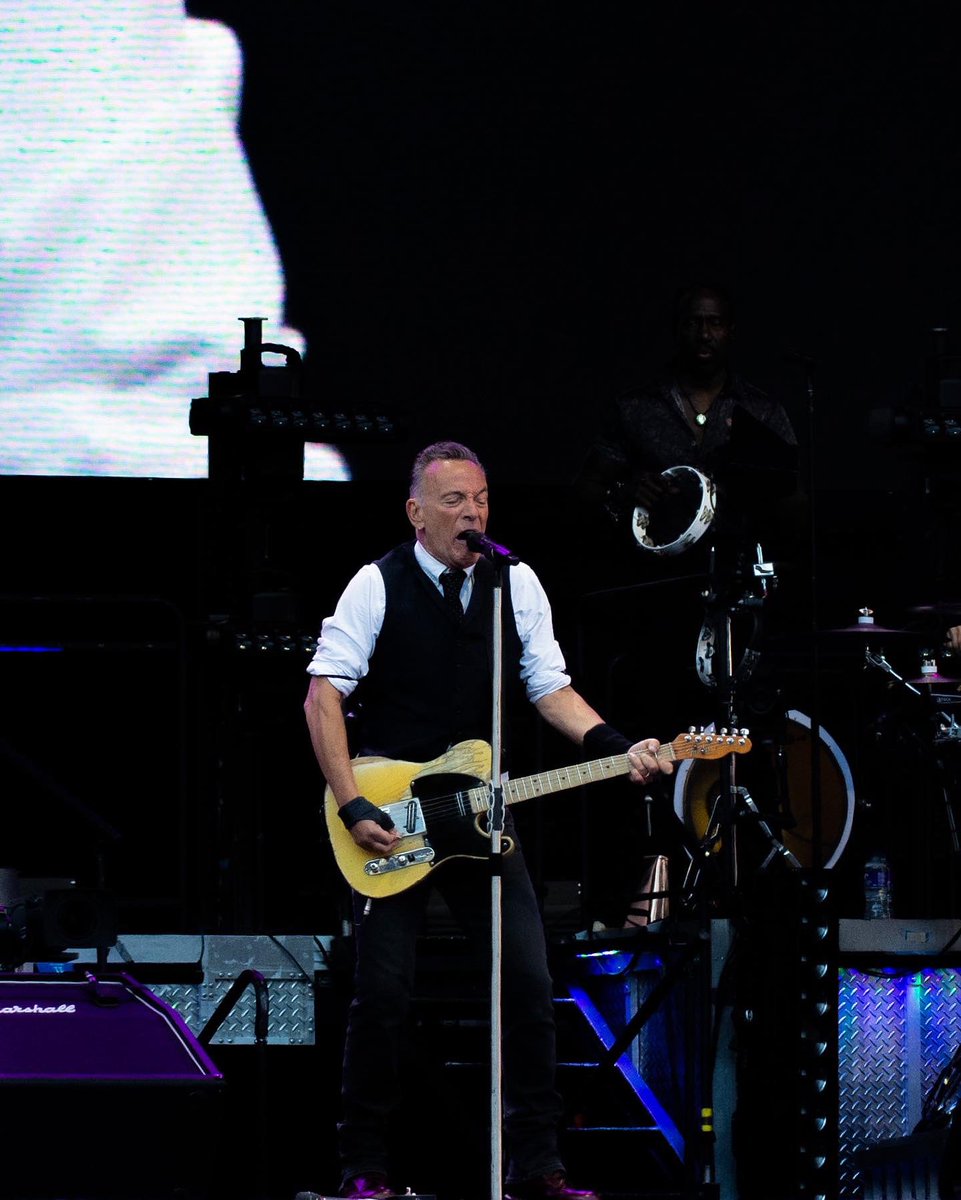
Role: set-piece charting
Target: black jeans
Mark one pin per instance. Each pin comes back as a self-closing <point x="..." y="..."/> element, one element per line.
<point x="385" y="947"/>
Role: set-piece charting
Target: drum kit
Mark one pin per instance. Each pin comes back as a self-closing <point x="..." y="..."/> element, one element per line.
<point x="794" y="799"/>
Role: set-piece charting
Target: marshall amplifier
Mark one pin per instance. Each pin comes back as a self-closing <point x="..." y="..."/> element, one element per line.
<point x="105" y="1093"/>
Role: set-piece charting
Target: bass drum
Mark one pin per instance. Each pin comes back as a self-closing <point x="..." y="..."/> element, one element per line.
<point x="776" y="774"/>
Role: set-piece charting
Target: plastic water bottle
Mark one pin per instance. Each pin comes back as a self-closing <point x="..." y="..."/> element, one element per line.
<point x="877" y="888"/>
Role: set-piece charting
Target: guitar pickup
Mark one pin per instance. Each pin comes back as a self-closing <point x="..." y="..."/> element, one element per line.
<point x="399" y="861"/>
<point x="407" y="815"/>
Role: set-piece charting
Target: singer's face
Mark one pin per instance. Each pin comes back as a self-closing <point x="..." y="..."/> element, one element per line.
<point x="453" y="498"/>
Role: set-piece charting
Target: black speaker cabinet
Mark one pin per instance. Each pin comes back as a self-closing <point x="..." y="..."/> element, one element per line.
<point x="105" y="1093"/>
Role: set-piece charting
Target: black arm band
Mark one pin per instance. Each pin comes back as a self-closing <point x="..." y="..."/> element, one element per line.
<point x="361" y="809"/>
<point x="605" y="740"/>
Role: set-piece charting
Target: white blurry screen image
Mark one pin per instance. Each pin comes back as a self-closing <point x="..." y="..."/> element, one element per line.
<point x="132" y="238"/>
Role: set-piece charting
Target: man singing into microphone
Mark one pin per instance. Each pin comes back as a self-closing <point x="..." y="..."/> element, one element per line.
<point x="414" y="630"/>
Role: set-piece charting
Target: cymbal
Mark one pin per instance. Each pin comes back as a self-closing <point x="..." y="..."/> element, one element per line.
<point x="870" y="630"/>
<point x="943" y="608"/>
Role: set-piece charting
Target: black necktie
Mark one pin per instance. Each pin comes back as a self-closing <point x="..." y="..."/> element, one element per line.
<point x="451" y="581"/>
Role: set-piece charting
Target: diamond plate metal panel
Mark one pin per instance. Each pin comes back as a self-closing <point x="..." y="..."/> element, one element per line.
<point x="871" y="1050"/>
<point x="185" y="998"/>
<point x="940" y="1010"/>
<point x="289" y="964"/>
<point x="290" y="1018"/>
<point x="897" y="1030"/>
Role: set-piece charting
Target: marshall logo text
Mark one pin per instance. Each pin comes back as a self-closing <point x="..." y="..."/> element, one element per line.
<point x="16" y="1010"/>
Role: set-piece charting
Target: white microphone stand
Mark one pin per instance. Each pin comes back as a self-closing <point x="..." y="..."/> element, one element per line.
<point x="496" y="861"/>
<point x="498" y="556"/>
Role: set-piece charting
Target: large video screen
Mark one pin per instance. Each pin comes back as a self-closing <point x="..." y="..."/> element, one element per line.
<point x="133" y="240"/>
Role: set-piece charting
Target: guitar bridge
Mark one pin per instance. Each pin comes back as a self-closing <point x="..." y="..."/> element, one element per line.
<point x="399" y="862"/>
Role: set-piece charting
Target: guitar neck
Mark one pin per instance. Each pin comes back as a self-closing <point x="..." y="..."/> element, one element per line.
<point x="547" y="782"/>
<point x="688" y="745"/>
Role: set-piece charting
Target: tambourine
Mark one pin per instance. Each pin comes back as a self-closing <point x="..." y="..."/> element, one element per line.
<point x="681" y="517"/>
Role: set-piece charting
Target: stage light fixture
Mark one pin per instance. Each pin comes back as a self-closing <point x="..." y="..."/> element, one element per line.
<point x="257" y="421"/>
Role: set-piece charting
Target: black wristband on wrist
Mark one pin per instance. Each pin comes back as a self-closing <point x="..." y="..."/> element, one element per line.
<point x="361" y="809"/>
<point x="604" y="740"/>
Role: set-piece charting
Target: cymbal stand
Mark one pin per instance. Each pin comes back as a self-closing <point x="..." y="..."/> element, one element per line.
<point x="876" y="659"/>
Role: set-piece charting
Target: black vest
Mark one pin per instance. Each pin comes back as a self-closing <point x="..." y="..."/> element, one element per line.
<point x="430" y="679"/>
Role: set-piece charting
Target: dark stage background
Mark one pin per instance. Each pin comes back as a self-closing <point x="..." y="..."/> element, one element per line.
<point x="483" y="212"/>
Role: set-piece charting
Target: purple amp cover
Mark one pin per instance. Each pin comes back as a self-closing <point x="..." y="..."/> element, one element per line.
<point x="98" y="1028"/>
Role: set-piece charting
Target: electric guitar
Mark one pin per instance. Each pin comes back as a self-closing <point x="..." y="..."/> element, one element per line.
<point x="439" y="807"/>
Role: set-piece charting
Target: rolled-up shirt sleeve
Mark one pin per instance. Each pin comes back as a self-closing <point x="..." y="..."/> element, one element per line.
<point x="348" y="637"/>
<point x="543" y="669"/>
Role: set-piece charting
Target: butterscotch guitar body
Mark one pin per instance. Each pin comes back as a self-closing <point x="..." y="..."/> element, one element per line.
<point x="389" y="782"/>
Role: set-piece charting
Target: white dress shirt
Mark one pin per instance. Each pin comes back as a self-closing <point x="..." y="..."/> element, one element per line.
<point x="347" y="639"/>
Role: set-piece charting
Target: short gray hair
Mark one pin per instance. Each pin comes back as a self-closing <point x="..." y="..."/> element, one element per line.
<point x="439" y="452"/>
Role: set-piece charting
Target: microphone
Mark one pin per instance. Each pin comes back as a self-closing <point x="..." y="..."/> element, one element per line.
<point x="480" y="543"/>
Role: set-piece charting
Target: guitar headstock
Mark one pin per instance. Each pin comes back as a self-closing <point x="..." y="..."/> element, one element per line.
<point x="704" y="743"/>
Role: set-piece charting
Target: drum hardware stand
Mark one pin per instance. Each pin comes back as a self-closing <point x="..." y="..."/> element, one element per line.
<point x="948" y="728"/>
<point x="744" y="591"/>
<point x="777" y="847"/>
<point x="947" y="731"/>
<point x="744" y="805"/>
<point x="872" y="659"/>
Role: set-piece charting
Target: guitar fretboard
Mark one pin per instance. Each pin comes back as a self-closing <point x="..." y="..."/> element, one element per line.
<point x="566" y="777"/>
<point x="689" y="745"/>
